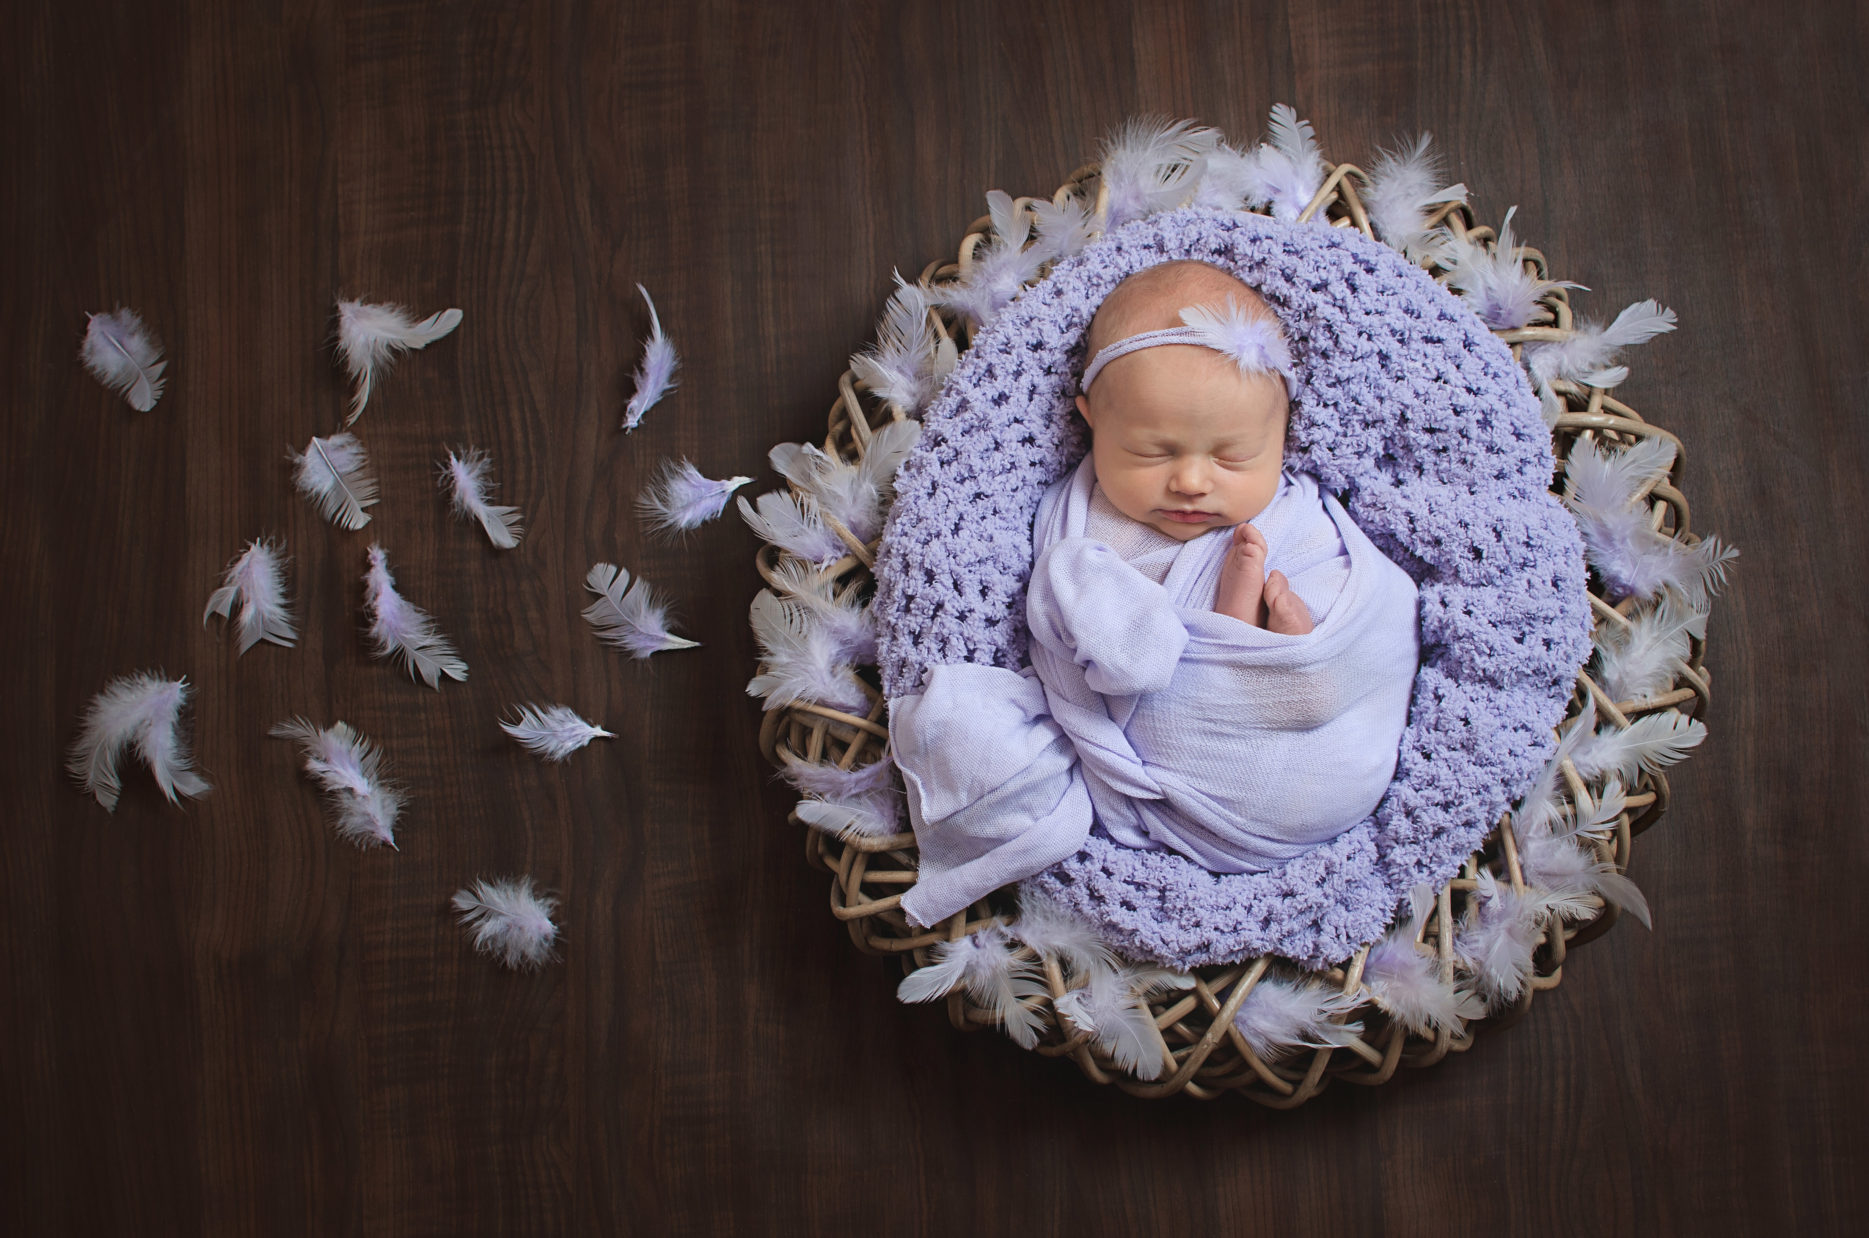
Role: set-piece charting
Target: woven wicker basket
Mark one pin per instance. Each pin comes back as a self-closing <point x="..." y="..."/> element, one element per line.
<point x="1209" y="1055"/>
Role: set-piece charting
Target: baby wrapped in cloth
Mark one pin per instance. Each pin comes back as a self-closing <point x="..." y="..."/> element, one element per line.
<point x="1149" y="712"/>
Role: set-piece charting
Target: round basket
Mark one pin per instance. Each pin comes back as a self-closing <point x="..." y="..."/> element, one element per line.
<point x="1194" y="1042"/>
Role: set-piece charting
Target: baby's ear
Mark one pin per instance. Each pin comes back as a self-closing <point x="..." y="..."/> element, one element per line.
<point x="1083" y="410"/>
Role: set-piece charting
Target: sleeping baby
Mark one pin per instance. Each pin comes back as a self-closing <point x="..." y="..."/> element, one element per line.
<point x="1221" y="661"/>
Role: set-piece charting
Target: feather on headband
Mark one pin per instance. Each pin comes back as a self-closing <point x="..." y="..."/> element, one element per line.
<point x="1253" y="342"/>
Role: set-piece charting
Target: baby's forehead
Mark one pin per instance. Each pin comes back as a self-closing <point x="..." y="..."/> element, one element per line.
<point x="1152" y="299"/>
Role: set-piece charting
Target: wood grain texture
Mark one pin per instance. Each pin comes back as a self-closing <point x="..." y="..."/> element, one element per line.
<point x="218" y="1019"/>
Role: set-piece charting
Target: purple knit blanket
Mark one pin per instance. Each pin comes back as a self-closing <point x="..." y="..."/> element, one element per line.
<point x="1418" y="419"/>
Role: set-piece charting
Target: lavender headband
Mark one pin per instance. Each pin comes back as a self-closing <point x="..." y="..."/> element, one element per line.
<point x="1254" y="343"/>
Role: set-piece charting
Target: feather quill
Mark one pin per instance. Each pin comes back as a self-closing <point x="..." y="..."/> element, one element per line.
<point x="1113" y="1006"/>
<point x="1643" y="658"/>
<point x="349" y="769"/>
<point x="681" y="499"/>
<point x="655" y="373"/>
<point x="125" y="356"/>
<point x="1404" y="188"/>
<point x="910" y="358"/>
<point x="1493" y="279"/>
<point x="405" y="631"/>
<point x="1153" y="164"/>
<point x="552" y="731"/>
<point x="256" y="581"/>
<point x="800" y="659"/>
<point x="464" y="477"/>
<point x="334" y="473"/>
<point x="1585" y="357"/>
<point x="510" y="921"/>
<point x="1278" y="1016"/>
<point x="792" y="522"/>
<point x="1000" y="976"/>
<point x="630" y="616"/>
<point x="369" y="334"/>
<point x="140" y="711"/>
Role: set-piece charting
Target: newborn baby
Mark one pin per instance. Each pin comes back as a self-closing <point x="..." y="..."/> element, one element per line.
<point x="1221" y="661"/>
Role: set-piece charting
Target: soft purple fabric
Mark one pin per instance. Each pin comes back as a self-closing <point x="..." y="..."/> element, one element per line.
<point x="1408" y="409"/>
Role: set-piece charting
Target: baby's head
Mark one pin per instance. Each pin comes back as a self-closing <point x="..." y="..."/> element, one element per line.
<point x="1185" y="440"/>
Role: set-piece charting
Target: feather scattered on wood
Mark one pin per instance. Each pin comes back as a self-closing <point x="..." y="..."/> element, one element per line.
<point x="464" y="477"/>
<point x="1586" y="356"/>
<point x="1152" y="164"/>
<point x="794" y="524"/>
<point x="404" y="631"/>
<point x="141" y="711"/>
<point x="681" y="499"/>
<point x="510" y="921"/>
<point x="125" y="356"/>
<point x="855" y="494"/>
<point x="999" y="271"/>
<point x="370" y="334"/>
<point x="1113" y="1006"/>
<point x="1288" y="169"/>
<point x="552" y="731"/>
<point x="1279" y="1015"/>
<point x="1643" y="658"/>
<point x="655" y="373"/>
<point x="842" y="614"/>
<point x="1062" y="934"/>
<point x="910" y="358"/>
<point x="1495" y="280"/>
<point x="1603" y="489"/>
<point x="1497" y="935"/>
<point x="999" y="974"/>
<point x="631" y="616"/>
<point x="800" y="659"/>
<point x="1404" y="190"/>
<point x="335" y="474"/>
<point x="256" y="581"/>
<point x="349" y="769"/>
<point x="1567" y="879"/>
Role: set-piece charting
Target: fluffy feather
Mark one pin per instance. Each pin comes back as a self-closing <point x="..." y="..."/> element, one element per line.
<point x="1629" y="555"/>
<point x="1279" y="1015"/>
<point x="256" y="580"/>
<point x="349" y="769"/>
<point x="842" y="615"/>
<point x="404" y="631"/>
<point x="1113" y="1006"/>
<point x="464" y="477"/>
<point x="368" y="336"/>
<point x="1153" y="164"/>
<point x="1643" y="658"/>
<point x="1493" y="279"/>
<point x="1053" y="930"/>
<point x="998" y="975"/>
<point x="1286" y="171"/>
<point x="1496" y="939"/>
<point x="1598" y="819"/>
<point x="856" y="493"/>
<point x="1062" y="231"/>
<point x="792" y="523"/>
<point x="999" y="271"/>
<point x="510" y="921"/>
<point x="800" y="659"/>
<point x="1565" y="875"/>
<point x="552" y="731"/>
<point x="633" y="617"/>
<point x="1585" y="357"/>
<point x="141" y="710"/>
<point x="1230" y="181"/>
<point x="871" y="816"/>
<point x="1254" y="342"/>
<point x="125" y="356"/>
<point x="1404" y="188"/>
<point x="910" y="358"/>
<point x="831" y="782"/>
<point x="334" y="473"/>
<point x="1407" y="984"/>
<point x="681" y="499"/>
<point x="655" y="373"/>
<point x="1544" y="805"/>
<point x="1652" y="742"/>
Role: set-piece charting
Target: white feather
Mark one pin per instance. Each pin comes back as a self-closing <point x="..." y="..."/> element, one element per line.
<point x="404" y="631"/>
<point x="334" y="473"/>
<point x="655" y="373"/>
<point x="997" y="974"/>
<point x="1564" y="876"/>
<point x="841" y="614"/>
<point x="1287" y="171"/>
<point x="910" y="358"/>
<point x="1497" y="937"/>
<point x="1253" y="341"/>
<point x="125" y="356"/>
<point x="1113" y="1006"/>
<point x="791" y="522"/>
<point x="800" y="659"/>
<point x="1630" y="556"/>
<point x="1279" y="1015"/>
<point x="141" y="710"/>
<point x="1407" y="984"/>
<point x="999" y="271"/>
<point x="632" y="617"/>
<point x="1652" y="742"/>
<point x="831" y="782"/>
<point x="855" y="493"/>
<point x="861" y="802"/>
<point x="349" y="769"/>
<point x="368" y="336"/>
<point x="256" y="581"/>
<point x="464" y="476"/>
<point x="1229" y="182"/>
<point x="1404" y="188"/>
<point x="681" y="499"/>
<point x="1493" y="279"/>
<point x="872" y="816"/>
<point x="1585" y="357"/>
<point x="510" y="921"/>
<point x="552" y="731"/>
<point x="1151" y="165"/>
<point x="1599" y="821"/>
<point x="1642" y="658"/>
<point x="1062" y="231"/>
<point x="1055" y="931"/>
<point x="1544" y="804"/>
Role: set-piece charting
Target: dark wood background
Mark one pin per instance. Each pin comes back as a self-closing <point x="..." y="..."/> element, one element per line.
<point x="219" y="1019"/>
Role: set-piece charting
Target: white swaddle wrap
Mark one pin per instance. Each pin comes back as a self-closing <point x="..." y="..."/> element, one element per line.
<point x="1173" y="726"/>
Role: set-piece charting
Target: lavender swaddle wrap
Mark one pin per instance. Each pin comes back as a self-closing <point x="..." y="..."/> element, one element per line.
<point x="1176" y="726"/>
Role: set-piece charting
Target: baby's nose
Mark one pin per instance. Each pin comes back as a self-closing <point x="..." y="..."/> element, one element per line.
<point x="1190" y="477"/>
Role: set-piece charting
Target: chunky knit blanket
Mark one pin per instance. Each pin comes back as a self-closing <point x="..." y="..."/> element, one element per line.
<point x="1410" y="411"/>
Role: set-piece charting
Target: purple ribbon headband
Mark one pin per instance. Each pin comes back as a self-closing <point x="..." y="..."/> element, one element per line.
<point x="1253" y="342"/>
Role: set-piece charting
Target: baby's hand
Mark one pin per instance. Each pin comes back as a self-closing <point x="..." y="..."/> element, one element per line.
<point x="1286" y="612"/>
<point x="1241" y="592"/>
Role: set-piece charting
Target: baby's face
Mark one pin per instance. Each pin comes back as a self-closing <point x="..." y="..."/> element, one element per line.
<point x="1183" y="442"/>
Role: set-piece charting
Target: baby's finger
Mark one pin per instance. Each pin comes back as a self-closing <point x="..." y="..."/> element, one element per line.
<point x="1246" y="534"/>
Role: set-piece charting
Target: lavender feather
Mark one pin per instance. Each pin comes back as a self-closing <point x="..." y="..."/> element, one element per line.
<point x="140" y="711"/>
<point x="655" y="373"/>
<point x="630" y="616"/>
<point x="125" y="356"/>
<point x="681" y="499"/>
